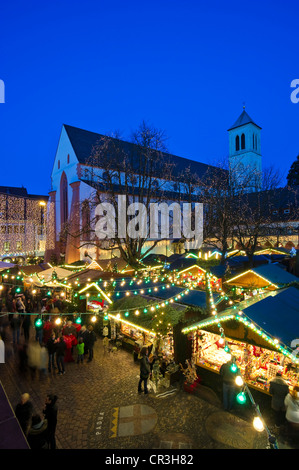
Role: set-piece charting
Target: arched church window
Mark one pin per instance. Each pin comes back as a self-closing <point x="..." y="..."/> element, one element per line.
<point x="256" y="142"/>
<point x="64" y="198"/>
<point x="243" y="141"/>
<point x="253" y="141"/>
<point x="68" y="158"/>
<point x="58" y="164"/>
<point x="237" y="143"/>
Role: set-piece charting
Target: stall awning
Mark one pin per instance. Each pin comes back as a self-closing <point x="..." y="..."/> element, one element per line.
<point x="267" y="275"/>
<point x="276" y="317"/>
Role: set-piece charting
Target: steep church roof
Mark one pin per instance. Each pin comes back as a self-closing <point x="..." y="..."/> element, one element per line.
<point x="243" y="119"/>
<point x="83" y="143"/>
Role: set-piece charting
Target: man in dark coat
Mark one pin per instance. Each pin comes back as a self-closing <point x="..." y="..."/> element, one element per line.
<point x="60" y="352"/>
<point x="145" y="370"/>
<point x="50" y="412"/>
<point x="91" y="339"/>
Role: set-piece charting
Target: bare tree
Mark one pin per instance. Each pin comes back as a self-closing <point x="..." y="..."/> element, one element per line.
<point x="139" y="171"/>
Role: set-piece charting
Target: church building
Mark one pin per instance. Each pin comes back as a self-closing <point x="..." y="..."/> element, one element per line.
<point x="72" y="190"/>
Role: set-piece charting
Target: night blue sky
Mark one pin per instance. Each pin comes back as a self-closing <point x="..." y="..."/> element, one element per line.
<point x="184" y="66"/>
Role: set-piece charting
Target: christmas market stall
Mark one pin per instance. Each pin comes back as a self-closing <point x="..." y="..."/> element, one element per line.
<point x="143" y="323"/>
<point x="268" y="276"/>
<point x="261" y="337"/>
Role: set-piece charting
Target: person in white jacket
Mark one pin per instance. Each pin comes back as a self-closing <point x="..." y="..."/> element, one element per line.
<point x="292" y="409"/>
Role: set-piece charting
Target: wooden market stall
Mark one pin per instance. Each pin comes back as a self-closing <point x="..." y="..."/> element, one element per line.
<point x="259" y="336"/>
<point x="268" y="276"/>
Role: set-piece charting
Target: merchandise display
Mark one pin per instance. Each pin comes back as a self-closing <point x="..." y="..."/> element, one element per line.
<point x="257" y="365"/>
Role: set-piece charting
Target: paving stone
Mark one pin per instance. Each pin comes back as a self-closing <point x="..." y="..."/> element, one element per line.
<point x="89" y="396"/>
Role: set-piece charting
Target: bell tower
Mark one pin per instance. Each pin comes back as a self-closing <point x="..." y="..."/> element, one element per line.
<point x="245" y="159"/>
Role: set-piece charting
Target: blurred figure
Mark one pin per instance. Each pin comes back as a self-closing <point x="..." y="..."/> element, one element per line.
<point x="51" y="346"/>
<point x="34" y="358"/>
<point x="26" y="326"/>
<point x="39" y="332"/>
<point x="15" y="326"/>
<point x="90" y="340"/>
<point x="23" y="358"/>
<point x="44" y="361"/>
<point x="20" y="304"/>
<point x="23" y="413"/>
<point x="2" y="351"/>
<point x="292" y="411"/>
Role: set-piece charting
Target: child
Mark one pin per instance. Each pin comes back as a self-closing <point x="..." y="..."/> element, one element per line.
<point x="80" y="349"/>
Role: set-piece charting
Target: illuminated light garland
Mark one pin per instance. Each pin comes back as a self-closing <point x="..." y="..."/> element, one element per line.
<point x="93" y="284"/>
<point x="157" y="305"/>
<point x="114" y="317"/>
<point x="256" y="274"/>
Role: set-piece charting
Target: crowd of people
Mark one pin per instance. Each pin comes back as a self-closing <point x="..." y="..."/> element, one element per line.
<point x="54" y="346"/>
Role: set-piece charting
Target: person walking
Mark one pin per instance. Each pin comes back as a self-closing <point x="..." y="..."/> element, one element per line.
<point x="16" y="326"/>
<point x="60" y="352"/>
<point x="145" y="371"/>
<point x="50" y="412"/>
<point x="26" y="326"/>
<point x="91" y="339"/>
<point x="24" y="412"/>
<point x="278" y="389"/>
<point x="228" y="383"/>
<point x="291" y="403"/>
<point x="52" y="346"/>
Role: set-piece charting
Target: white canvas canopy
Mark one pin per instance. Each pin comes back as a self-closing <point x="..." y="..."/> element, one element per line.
<point x="61" y="274"/>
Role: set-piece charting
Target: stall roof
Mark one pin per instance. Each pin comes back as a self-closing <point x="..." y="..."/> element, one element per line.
<point x="194" y="298"/>
<point x="277" y="315"/>
<point x="47" y="274"/>
<point x="263" y="276"/>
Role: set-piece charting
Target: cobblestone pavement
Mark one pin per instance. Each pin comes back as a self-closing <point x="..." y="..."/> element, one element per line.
<point x="99" y="408"/>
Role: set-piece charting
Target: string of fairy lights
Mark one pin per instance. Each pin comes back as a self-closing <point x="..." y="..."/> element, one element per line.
<point x="258" y="421"/>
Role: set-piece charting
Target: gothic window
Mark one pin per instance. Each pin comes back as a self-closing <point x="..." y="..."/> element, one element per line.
<point x="58" y="164"/>
<point x="237" y="143"/>
<point x="256" y="142"/>
<point x="64" y="198"/>
<point x="68" y="158"/>
<point x="253" y="141"/>
<point x="243" y="141"/>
